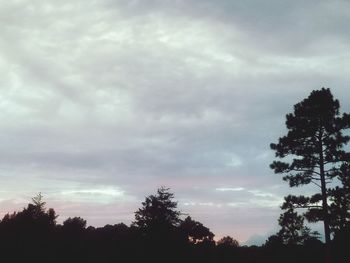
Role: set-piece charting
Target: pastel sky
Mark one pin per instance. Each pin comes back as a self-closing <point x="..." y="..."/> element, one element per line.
<point x="104" y="101"/>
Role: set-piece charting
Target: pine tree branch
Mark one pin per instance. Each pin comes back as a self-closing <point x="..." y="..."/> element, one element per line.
<point x="304" y="170"/>
<point x="308" y="206"/>
<point x="316" y="184"/>
<point x="315" y="178"/>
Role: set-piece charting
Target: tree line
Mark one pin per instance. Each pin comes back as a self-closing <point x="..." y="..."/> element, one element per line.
<point x="158" y="233"/>
<point x="312" y="152"/>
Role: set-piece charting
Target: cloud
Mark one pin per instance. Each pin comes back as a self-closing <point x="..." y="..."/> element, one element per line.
<point x="94" y="195"/>
<point x="224" y="189"/>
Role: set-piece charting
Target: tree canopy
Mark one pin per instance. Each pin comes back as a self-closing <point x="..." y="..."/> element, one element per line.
<point x="158" y="212"/>
<point x="313" y="152"/>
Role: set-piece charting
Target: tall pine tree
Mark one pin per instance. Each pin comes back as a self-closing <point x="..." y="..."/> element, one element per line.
<point x="314" y="152"/>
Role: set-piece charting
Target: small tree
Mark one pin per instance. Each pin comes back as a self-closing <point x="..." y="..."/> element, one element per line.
<point x="37" y="211"/>
<point x="314" y="147"/>
<point x="194" y="231"/>
<point x="228" y="242"/>
<point x="74" y="225"/>
<point x="158" y="212"/>
<point x="293" y="230"/>
<point x="38" y="202"/>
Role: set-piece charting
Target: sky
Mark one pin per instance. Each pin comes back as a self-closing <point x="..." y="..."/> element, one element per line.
<point x="104" y="101"/>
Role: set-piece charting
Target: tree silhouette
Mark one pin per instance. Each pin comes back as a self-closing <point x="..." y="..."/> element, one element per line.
<point x="38" y="202"/>
<point x="228" y="242"/>
<point x="340" y="197"/>
<point x="74" y="225"/>
<point x="293" y="230"/>
<point x="194" y="231"/>
<point x="157" y="221"/>
<point x="158" y="212"/>
<point x="314" y="150"/>
<point x="33" y="235"/>
<point x="29" y="233"/>
<point x="36" y="213"/>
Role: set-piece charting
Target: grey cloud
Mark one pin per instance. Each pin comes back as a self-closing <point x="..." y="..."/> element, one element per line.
<point x="296" y="27"/>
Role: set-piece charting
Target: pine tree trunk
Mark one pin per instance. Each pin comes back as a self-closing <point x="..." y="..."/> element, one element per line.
<point x="325" y="207"/>
<point x="326" y="222"/>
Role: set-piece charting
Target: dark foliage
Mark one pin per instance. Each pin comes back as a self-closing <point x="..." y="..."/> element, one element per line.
<point x="314" y="148"/>
<point x="158" y="212"/>
<point x="194" y="232"/>
<point x="293" y="230"/>
<point x="32" y="235"/>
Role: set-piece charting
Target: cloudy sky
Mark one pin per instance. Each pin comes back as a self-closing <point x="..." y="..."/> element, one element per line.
<point x="103" y="101"/>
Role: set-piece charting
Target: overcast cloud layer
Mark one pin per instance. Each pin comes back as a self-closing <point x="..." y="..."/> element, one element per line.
<point x="103" y="101"/>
